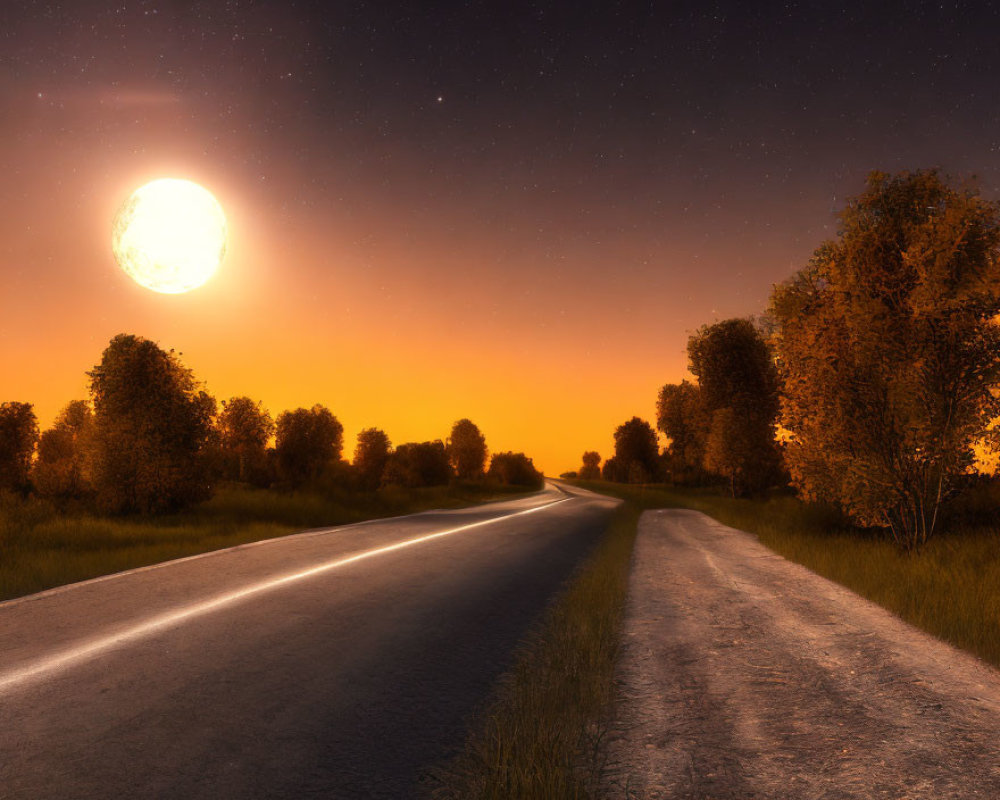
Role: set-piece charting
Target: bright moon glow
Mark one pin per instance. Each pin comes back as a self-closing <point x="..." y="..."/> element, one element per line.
<point x="170" y="235"/>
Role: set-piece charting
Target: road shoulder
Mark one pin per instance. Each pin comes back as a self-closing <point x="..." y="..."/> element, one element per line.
<point x="745" y="675"/>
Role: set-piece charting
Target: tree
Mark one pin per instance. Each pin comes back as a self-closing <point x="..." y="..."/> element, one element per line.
<point x="637" y="454"/>
<point x="467" y="450"/>
<point x="735" y="370"/>
<point x="152" y="421"/>
<point x="682" y="417"/>
<point x="18" y="437"/>
<point x="591" y="469"/>
<point x="890" y="352"/>
<point x="63" y="465"/>
<point x="371" y="456"/>
<point x="613" y="471"/>
<point x="244" y="427"/>
<point x="728" y="448"/>
<point x="308" y="440"/>
<point x="419" y="464"/>
<point x="515" y="469"/>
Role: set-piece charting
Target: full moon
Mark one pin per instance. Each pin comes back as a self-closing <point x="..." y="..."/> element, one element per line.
<point x="170" y="235"/>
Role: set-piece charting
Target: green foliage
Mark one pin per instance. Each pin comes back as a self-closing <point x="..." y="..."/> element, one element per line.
<point x="244" y="428"/>
<point x="890" y="353"/>
<point x="151" y="425"/>
<point x="515" y="469"/>
<point x="738" y="392"/>
<point x="307" y="442"/>
<point x="18" y="437"/>
<point x="591" y="469"/>
<point x="637" y="454"/>
<point x="467" y="450"/>
<point x="419" y="464"/>
<point x="371" y="457"/>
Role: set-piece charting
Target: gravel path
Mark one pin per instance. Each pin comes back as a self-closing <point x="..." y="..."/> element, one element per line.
<point x="747" y="676"/>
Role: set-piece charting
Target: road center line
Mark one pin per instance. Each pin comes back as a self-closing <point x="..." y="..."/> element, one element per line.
<point x="96" y="647"/>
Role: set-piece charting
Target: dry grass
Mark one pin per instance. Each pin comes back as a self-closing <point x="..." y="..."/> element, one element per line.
<point x="42" y="546"/>
<point x="538" y="739"/>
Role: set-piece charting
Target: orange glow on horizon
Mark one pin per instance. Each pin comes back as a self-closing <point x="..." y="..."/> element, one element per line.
<point x="388" y="317"/>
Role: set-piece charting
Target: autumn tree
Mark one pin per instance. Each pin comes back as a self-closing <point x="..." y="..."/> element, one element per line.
<point x="682" y="417"/>
<point x="371" y="456"/>
<point x="18" y="437"/>
<point x="467" y="450"/>
<point x="735" y="370"/>
<point x="307" y="441"/>
<point x="725" y="447"/>
<point x="152" y="421"/>
<point x="591" y="469"/>
<point x="244" y="428"/>
<point x="515" y="469"/>
<point x="890" y="352"/>
<point x="63" y="465"/>
<point x="419" y="464"/>
<point x="637" y="454"/>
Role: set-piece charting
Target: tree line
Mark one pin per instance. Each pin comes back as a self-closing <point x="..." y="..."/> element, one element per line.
<point x="151" y="439"/>
<point x="868" y="384"/>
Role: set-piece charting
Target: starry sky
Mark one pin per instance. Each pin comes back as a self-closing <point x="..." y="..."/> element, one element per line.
<point x="513" y="212"/>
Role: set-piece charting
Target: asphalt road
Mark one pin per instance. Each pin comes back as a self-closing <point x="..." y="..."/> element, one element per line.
<point x="336" y="664"/>
<point x="744" y="675"/>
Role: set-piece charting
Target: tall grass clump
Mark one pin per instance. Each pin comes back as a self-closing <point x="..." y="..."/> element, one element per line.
<point x="539" y="738"/>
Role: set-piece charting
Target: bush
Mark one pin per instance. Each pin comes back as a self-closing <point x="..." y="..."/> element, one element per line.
<point x="419" y="464"/>
<point x="515" y="469"/>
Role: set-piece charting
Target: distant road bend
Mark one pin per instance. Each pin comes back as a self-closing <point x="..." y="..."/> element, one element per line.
<point x="340" y="663"/>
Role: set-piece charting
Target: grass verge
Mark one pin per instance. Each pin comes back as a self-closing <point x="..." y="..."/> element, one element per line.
<point x="539" y="737"/>
<point x="949" y="588"/>
<point x="42" y="546"/>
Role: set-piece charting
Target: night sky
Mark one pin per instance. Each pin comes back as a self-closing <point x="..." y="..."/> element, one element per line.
<point x="512" y="212"/>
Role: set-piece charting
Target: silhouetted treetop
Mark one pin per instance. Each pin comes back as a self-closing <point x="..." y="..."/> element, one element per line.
<point x="371" y="457"/>
<point x="417" y="464"/>
<point x="636" y="451"/>
<point x="18" y="436"/>
<point x="467" y="449"/>
<point x="738" y="393"/>
<point x="63" y="468"/>
<point x="245" y="427"/>
<point x="307" y="442"/>
<point x="151" y="423"/>
<point x="591" y="469"/>
<point x="515" y="469"/>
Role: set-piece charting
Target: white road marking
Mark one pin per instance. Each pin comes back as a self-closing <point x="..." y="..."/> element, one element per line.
<point x="81" y="653"/>
<point x="306" y="534"/>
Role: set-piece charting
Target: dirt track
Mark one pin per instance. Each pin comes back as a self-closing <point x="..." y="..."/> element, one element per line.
<point x="747" y="676"/>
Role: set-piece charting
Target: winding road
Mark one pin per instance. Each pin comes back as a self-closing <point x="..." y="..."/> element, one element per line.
<point x="744" y="675"/>
<point x="341" y="663"/>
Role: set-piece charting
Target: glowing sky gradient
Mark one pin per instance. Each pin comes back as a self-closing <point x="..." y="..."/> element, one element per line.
<point x="510" y="212"/>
